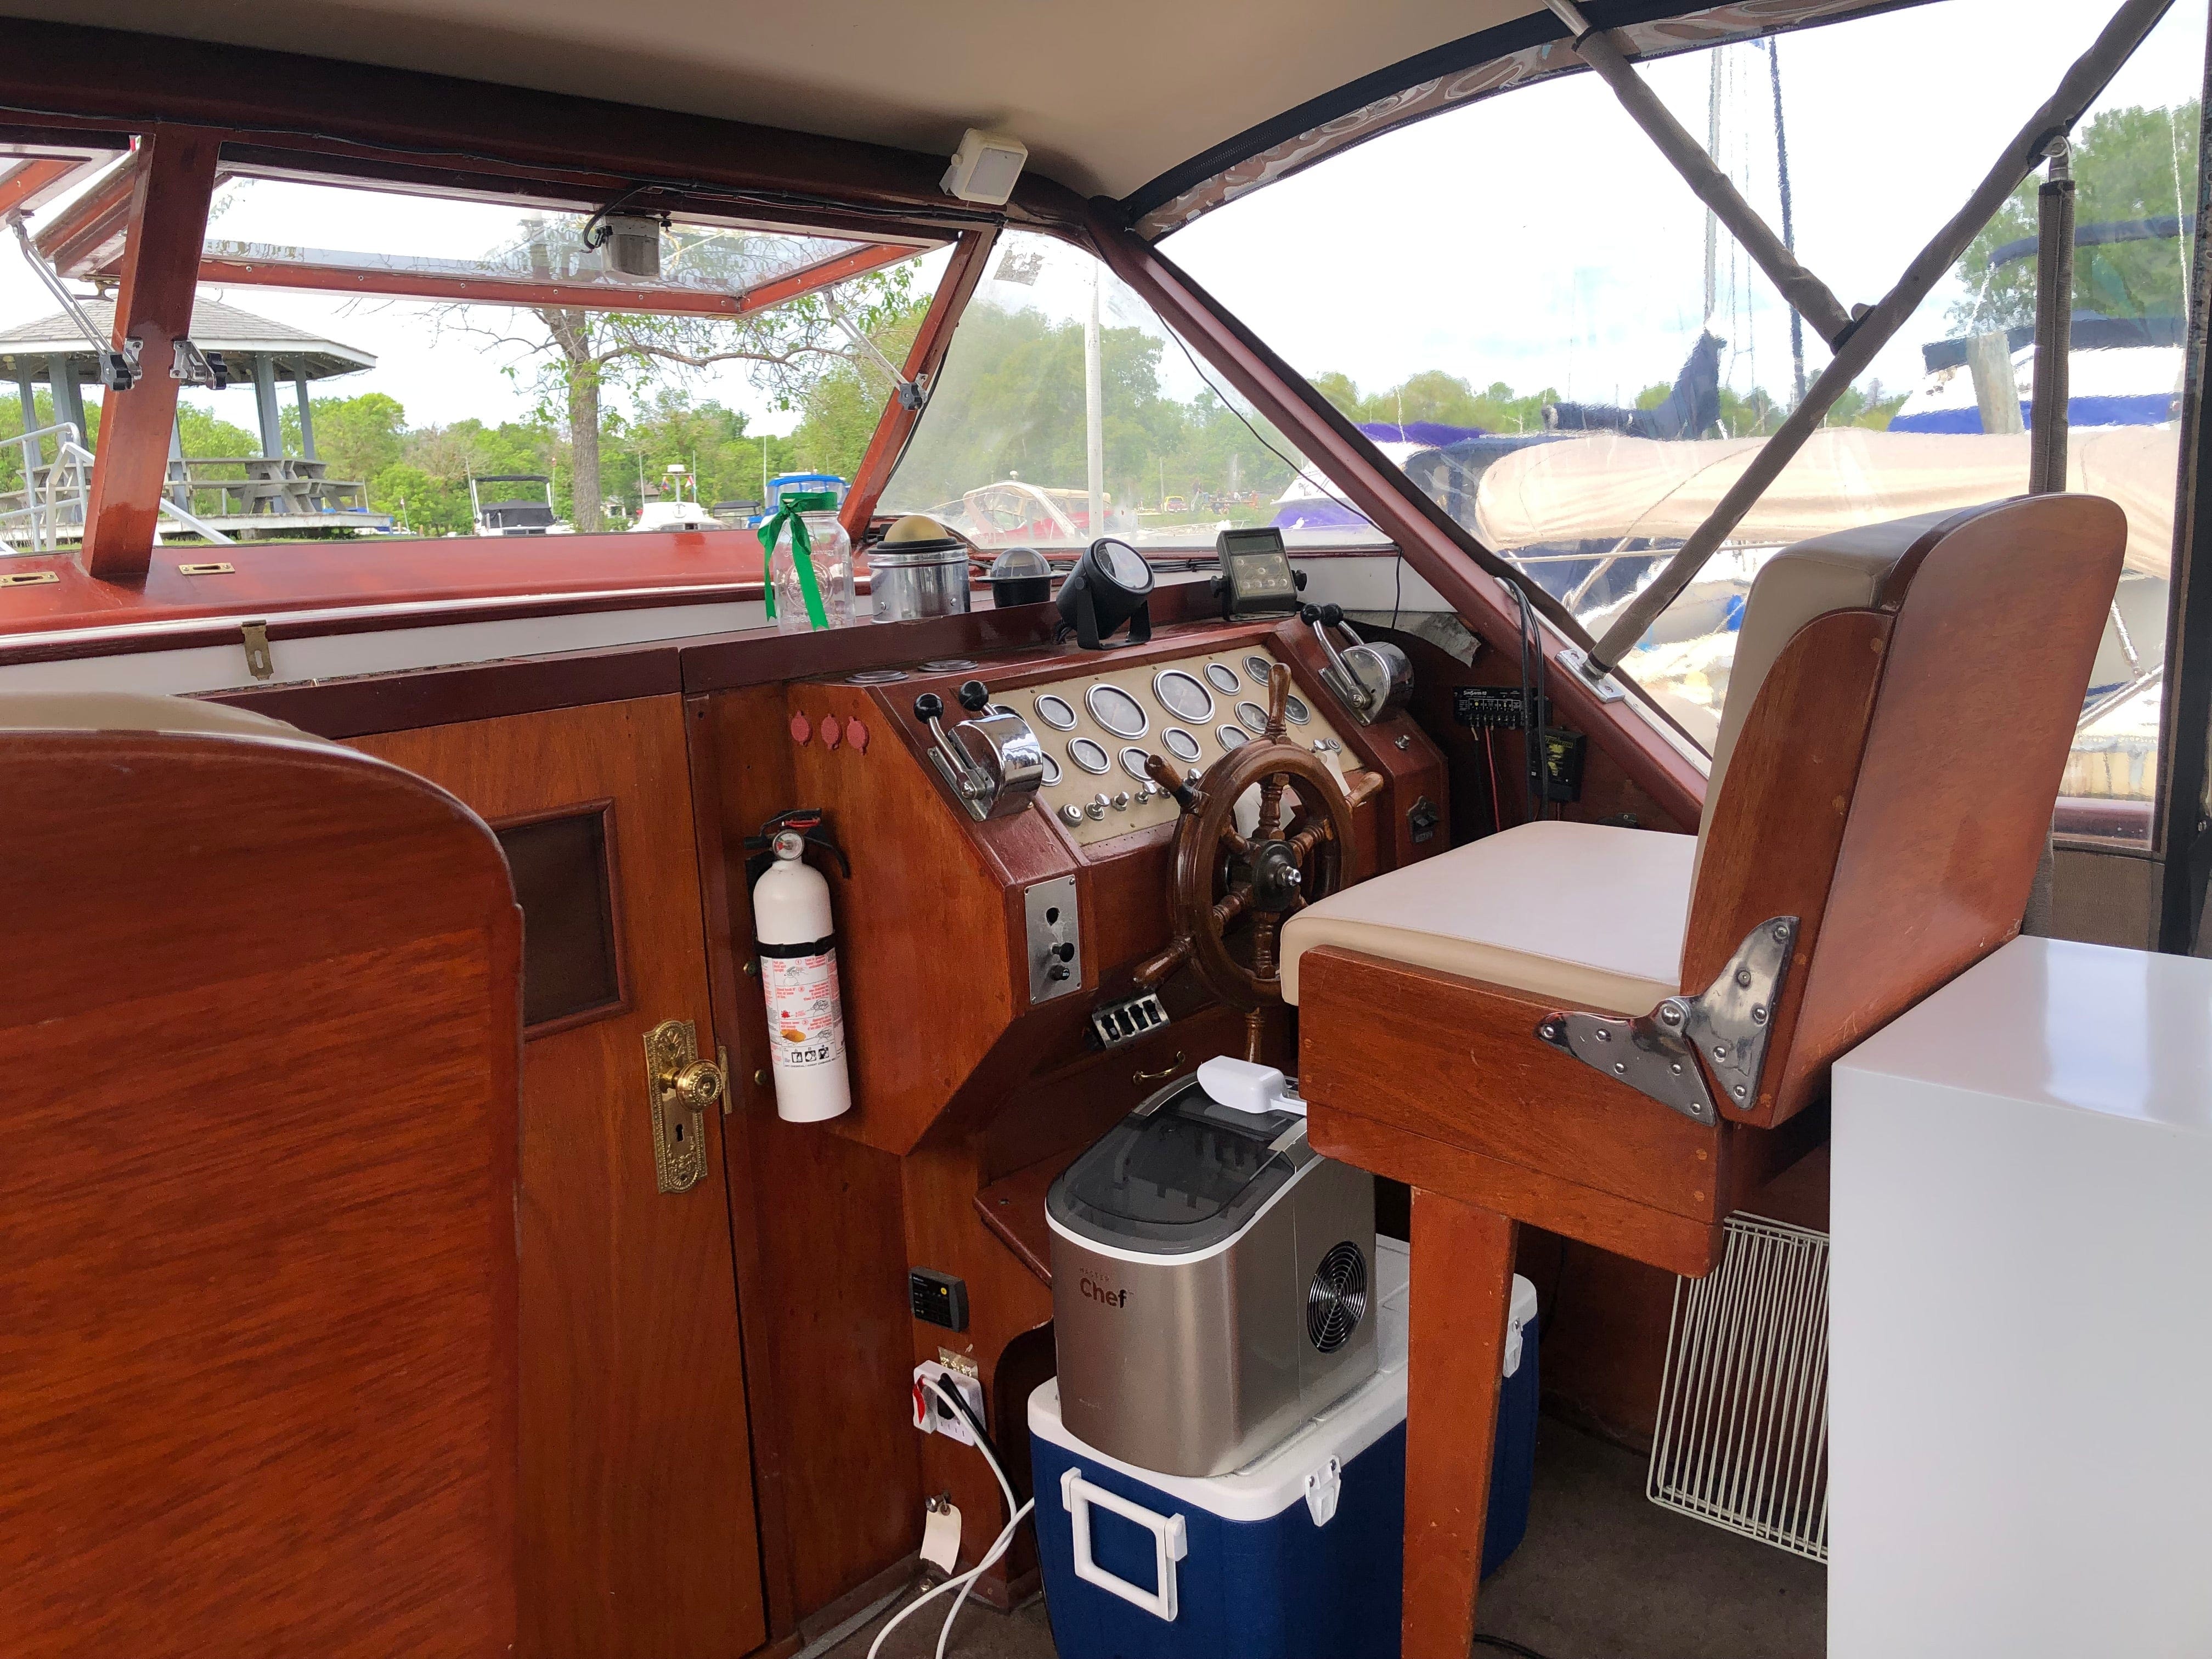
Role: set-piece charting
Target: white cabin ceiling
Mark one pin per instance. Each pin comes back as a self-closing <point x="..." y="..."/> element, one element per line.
<point x="1107" y="97"/>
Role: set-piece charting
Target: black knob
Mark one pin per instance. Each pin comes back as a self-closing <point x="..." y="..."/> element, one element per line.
<point x="928" y="706"/>
<point x="1298" y="581"/>
<point x="1065" y="952"/>
<point x="1309" y="614"/>
<point x="1332" y="616"/>
<point x="974" y="696"/>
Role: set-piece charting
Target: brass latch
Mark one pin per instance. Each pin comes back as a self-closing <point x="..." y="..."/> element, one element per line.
<point x="681" y="1086"/>
<point x="258" y="662"/>
<point x="28" y="578"/>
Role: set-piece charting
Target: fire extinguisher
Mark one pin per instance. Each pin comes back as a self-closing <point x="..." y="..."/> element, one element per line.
<point x="798" y="967"/>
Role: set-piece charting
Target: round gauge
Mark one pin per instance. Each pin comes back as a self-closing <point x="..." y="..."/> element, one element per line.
<point x="1181" y="743"/>
<point x="1181" y="694"/>
<point x="1091" y="756"/>
<point x="1056" y="712"/>
<point x="877" y="677"/>
<point x="1051" y="767"/>
<point x="1132" y="762"/>
<point x="1257" y="667"/>
<point x="1232" y="736"/>
<point x="946" y="665"/>
<point x="1223" y="676"/>
<point x="1294" y="707"/>
<point x="1254" y="717"/>
<point x="1117" y="711"/>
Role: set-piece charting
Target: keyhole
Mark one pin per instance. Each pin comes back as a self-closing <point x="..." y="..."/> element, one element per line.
<point x="679" y="1132"/>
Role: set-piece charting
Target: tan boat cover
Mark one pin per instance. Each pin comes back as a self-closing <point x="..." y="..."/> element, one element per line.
<point x="1606" y="487"/>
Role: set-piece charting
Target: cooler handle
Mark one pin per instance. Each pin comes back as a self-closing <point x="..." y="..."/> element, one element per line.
<point x="1170" y="1545"/>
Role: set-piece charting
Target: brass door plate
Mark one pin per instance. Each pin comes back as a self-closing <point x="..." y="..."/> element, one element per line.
<point x="680" y="1086"/>
<point x="28" y="578"/>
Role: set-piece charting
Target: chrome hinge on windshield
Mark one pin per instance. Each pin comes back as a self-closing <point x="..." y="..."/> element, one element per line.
<point x="119" y="370"/>
<point x="912" y="394"/>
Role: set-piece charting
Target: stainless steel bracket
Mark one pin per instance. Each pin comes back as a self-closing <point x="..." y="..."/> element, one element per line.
<point x="1723" y="1032"/>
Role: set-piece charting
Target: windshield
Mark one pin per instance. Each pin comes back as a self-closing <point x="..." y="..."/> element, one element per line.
<point x="411" y="366"/>
<point x="1558" y="345"/>
<point x="1067" y="410"/>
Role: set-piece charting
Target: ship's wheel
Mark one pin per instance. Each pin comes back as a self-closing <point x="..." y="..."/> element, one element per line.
<point x="1231" y="890"/>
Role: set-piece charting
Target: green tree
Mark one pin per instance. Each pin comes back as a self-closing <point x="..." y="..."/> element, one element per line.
<point x="358" y="436"/>
<point x="580" y="353"/>
<point x="2132" y="163"/>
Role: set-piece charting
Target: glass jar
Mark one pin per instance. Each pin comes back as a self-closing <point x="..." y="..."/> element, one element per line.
<point x="830" y="556"/>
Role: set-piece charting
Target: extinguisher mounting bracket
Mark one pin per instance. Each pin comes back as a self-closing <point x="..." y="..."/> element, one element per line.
<point x="811" y="824"/>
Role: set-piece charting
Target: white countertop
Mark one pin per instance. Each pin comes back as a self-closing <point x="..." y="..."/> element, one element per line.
<point x="2081" y="1027"/>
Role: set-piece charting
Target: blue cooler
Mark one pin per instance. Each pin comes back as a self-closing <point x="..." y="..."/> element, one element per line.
<point x="1298" y="1555"/>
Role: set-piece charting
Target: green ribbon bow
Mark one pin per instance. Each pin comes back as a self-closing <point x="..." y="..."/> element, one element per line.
<point x="802" y="550"/>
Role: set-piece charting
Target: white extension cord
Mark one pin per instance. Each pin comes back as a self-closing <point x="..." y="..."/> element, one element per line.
<point x="966" y="1581"/>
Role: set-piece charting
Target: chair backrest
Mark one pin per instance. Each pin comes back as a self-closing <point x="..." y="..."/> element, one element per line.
<point x="258" y="1160"/>
<point x="1890" y="747"/>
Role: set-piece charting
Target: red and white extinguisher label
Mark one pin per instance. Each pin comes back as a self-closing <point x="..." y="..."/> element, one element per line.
<point x="805" y="1019"/>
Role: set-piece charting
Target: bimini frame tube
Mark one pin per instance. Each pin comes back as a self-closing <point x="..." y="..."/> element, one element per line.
<point x="1807" y="292"/>
<point x="2091" y="73"/>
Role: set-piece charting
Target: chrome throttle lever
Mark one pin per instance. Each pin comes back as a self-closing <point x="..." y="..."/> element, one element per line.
<point x="992" y="762"/>
<point x="1369" y="680"/>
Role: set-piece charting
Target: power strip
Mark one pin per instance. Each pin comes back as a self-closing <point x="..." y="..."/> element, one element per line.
<point x="933" y="1414"/>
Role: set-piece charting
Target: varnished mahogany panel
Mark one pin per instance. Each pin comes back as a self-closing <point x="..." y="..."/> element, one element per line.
<point x="1459" y="1300"/>
<point x="1771" y="848"/>
<point x="816" y="1221"/>
<point x="1682" y="1244"/>
<point x="1458" y="1061"/>
<point x="1995" y="635"/>
<point x="638" y="1529"/>
<point x="174" y="173"/>
<point x="257" y="1206"/>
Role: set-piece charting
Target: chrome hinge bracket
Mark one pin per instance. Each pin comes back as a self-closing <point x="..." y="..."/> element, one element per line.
<point x="1723" y="1031"/>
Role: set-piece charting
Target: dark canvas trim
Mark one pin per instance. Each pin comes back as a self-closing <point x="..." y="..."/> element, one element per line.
<point x="1516" y="54"/>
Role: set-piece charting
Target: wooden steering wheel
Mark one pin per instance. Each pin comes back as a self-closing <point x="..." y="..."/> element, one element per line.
<point x="1230" y="891"/>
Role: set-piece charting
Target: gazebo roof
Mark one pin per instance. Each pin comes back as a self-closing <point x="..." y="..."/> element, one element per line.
<point x="238" y="334"/>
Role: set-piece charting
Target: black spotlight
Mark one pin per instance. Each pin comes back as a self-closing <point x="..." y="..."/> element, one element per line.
<point x="1111" y="584"/>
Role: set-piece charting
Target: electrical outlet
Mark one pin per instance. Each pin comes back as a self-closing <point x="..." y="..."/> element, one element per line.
<point x="933" y="1414"/>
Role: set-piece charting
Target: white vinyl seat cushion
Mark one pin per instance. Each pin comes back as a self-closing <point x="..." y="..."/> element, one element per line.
<point x="1590" y="914"/>
<point x="137" y="711"/>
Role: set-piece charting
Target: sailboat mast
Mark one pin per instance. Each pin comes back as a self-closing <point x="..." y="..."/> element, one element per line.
<point x="1713" y="220"/>
<point x="1789" y="222"/>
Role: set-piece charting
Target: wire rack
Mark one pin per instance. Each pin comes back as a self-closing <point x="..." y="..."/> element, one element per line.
<point x="1743" y="1437"/>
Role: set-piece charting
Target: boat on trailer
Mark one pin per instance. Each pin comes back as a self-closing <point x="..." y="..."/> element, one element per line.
<point x="1573" y="1025"/>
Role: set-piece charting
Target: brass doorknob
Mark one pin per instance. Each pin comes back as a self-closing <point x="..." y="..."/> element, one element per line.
<point x="698" y="1085"/>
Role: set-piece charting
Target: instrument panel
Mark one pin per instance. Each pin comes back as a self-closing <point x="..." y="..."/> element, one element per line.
<point x="1096" y="730"/>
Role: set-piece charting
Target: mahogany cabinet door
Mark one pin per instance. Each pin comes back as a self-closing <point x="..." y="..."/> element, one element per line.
<point x="638" y="1529"/>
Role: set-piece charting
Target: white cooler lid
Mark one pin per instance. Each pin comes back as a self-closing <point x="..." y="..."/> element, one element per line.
<point x="1271" y="1483"/>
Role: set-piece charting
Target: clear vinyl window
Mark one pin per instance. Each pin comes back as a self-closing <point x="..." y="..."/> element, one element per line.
<point x="1530" y="312"/>
<point x="1014" y="448"/>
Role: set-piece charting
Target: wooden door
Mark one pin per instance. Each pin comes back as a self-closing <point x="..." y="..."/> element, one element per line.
<point x="638" y="1531"/>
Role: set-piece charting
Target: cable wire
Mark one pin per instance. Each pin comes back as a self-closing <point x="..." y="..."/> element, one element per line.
<point x="1505" y="1645"/>
<point x="1298" y="469"/>
<point x="952" y="1395"/>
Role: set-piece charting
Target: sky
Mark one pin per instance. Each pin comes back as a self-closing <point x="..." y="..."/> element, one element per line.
<point x="1535" y="238"/>
<point x="1538" y="237"/>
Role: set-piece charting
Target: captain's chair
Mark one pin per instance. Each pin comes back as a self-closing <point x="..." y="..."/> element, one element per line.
<point x="1594" y="1030"/>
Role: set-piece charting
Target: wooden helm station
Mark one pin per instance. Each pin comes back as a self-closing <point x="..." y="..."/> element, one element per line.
<point x="706" y="1348"/>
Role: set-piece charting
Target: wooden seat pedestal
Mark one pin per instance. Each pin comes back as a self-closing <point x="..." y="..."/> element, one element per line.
<point x="1889" y="786"/>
